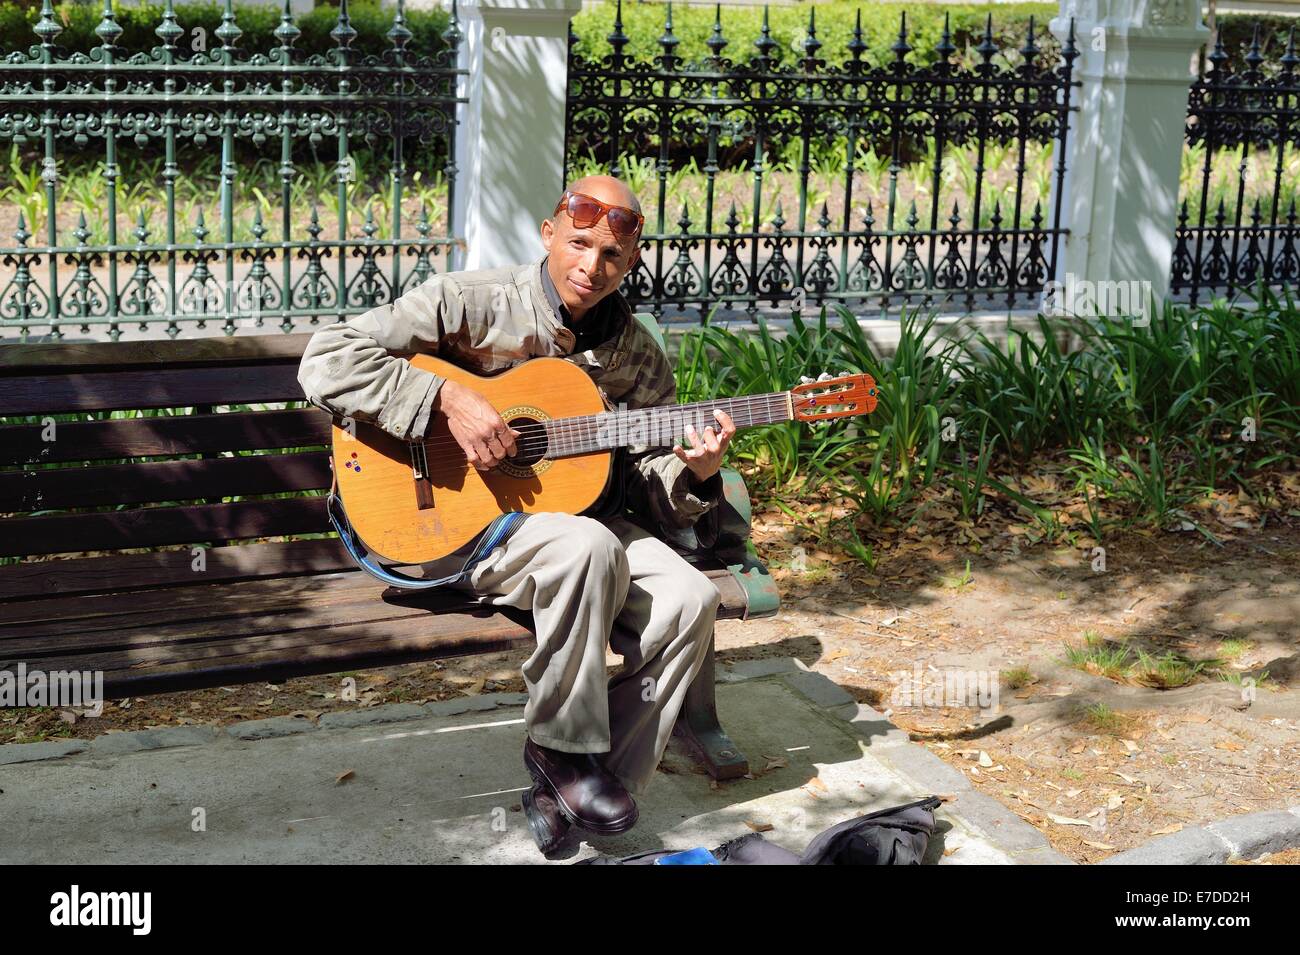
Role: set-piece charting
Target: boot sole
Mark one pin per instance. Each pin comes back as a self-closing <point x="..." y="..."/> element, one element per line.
<point x="539" y="827"/>
<point x="614" y="828"/>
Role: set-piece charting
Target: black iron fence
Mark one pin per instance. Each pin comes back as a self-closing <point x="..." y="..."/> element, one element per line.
<point x="1237" y="221"/>
<point x="279" y="148"/>
<point x="779" y="180"/>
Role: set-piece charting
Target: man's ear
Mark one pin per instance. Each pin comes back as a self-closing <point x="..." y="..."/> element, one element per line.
<point x="548" y="234"/>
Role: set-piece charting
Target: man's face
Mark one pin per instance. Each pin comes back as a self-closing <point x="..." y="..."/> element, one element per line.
<point x="586" y="265"/>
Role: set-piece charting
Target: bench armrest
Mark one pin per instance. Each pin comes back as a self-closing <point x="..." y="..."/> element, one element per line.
<point x="721" y="536"/>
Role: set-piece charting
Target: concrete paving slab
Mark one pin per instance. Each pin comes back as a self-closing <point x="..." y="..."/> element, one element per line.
<point x="446" y="788"/>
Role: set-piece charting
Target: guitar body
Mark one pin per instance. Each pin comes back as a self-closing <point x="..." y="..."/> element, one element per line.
<point x="409" y="513"/>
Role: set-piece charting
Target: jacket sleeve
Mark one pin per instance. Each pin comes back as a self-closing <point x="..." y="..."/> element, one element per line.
<point x="659" y="484"/>
<point x="358" y="368"/>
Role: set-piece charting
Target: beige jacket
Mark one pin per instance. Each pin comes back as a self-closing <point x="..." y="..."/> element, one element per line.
<point x="486" y="321"/>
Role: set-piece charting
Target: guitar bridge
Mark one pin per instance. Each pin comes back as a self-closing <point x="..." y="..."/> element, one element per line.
<point x="420" y="474"/>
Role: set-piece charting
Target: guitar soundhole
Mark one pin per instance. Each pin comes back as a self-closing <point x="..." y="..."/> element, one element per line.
<point x="531" y="447"/>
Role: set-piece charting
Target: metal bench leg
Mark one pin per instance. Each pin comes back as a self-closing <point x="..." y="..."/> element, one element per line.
<point x="697" y="725"/>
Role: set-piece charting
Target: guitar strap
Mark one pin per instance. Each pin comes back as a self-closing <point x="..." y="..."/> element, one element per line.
<point x="502" y="526"/>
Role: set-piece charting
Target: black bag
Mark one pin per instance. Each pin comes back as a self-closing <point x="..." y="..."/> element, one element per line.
<point x="895" y="836"/>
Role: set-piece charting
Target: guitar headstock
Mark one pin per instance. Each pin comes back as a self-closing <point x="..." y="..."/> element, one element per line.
<point x="829" y="397"/>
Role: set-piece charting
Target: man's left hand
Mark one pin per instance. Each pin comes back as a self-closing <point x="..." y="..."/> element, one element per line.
<point x="705" y="457"/>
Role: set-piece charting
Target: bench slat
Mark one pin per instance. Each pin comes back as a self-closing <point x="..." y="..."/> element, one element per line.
<point x="158" y="481"/>
<point x="149" y="526"/>
<point x="196" y="626"/>
<point x="199" y="599"/>
<point x="354" y="646"/>
<point x="23" y="359"/>
<point x="40" y="580"/>
<point x="172" y="434"/>
<point x="177" y="388"/>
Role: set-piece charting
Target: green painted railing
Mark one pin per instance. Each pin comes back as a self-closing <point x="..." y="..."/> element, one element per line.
<point x="101" y="143"/>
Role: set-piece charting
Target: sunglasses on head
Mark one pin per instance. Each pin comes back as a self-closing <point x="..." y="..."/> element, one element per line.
<point x="587" y="210"/>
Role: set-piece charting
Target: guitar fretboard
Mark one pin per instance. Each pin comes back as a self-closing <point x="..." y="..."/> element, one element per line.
<point x="661" y="426"/>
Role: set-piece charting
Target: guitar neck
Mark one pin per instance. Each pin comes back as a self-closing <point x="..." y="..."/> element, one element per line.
<point x="660" y="426"/>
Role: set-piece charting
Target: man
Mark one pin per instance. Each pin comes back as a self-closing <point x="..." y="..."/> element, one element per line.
<point x="601" y="577"/>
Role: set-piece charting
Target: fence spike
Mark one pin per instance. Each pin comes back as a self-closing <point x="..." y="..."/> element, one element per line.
<point x="618" y="39"/>
<point x="398" y="34"/>
<point x="857" y="46"/>
<point x="47" y="27"/>
<point x="1030" y="50"/>
<point x="901" y="47"/>
<point x="452" y="35"/>
<point x="287" y="32"/>
<point x="109" y="29"/>
<point x="344" y="32"/>
<point x="764" y="43"/>
<point x="945" y="49"/>
<point x="228" y="33"/>
<point x="668" y="41"/>
<point x="811" y="44"/>
<point x="169" y="31"/>
<point x="716" y="41"/>
<point x="987" y="48"/>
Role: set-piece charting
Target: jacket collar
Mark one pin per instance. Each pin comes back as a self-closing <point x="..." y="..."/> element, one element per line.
<point x="550" y="319"/>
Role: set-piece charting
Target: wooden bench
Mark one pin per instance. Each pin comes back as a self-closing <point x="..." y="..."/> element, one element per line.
<point x="174" y="536"/>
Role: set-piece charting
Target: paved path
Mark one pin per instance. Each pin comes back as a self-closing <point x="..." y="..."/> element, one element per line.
<point x="441" y="783"/>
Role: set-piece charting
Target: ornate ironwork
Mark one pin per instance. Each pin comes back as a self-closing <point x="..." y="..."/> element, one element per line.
<point x="186" y="104"/>
<point x="898" y="243"/>
<point x="1241" y="229"/>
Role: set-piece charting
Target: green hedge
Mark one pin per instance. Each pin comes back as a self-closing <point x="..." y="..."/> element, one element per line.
<point x="642" y="23"/>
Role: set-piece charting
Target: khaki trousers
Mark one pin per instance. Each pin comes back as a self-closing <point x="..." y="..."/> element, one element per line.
<point x="589" y="585"/>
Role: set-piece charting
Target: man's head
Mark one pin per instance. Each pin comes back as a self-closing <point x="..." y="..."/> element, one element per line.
<point x="587" y="265"/>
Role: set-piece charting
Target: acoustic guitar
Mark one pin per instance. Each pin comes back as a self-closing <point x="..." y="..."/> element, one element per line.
<point x="417" y="501"/>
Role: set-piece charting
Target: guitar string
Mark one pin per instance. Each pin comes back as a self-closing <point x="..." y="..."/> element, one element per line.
<point x="746" y="422"/>
<point x="537" y="436"/>
<point x="746" y="417"/>
<point x="583" y="425"/>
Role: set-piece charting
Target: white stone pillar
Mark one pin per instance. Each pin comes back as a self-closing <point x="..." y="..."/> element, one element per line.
<point x="510" y="141"/>
<point x="1120" y="196"/>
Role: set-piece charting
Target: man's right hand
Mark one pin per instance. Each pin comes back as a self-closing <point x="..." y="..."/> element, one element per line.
<point x="478" y="429"/>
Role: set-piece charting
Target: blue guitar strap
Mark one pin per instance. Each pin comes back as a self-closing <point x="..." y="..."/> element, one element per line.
<point x="502" y="526"/>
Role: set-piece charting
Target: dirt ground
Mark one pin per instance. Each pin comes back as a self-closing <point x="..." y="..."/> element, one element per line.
<point x="1099" y="763"/>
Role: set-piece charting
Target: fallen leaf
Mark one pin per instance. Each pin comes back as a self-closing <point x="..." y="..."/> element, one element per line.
<point x="345" y="775"/>
<point x="985" y="760"/>
<point x="1231" y="746"/>
<point x="1098" y="845"/>
<point x="1168" y="830"/>
<point x="759" y="826"/>
<point x="1068" y="821"/>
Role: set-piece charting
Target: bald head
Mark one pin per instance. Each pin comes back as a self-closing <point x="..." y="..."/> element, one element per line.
<point x="607" y="189"/>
